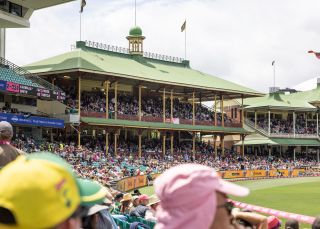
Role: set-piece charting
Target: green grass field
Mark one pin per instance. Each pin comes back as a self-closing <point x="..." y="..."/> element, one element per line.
<point x="296" y="195"/>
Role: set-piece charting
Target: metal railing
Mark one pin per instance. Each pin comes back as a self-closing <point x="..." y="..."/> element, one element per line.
<point x="24" y="73"/>
<point x="257" y="128"/>
<point x="117" y="49"/>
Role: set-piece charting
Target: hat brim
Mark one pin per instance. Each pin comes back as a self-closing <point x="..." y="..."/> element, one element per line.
<point x="91" y="192"/>
<point x="232" y="189"/>
<point x="96" y="208"/>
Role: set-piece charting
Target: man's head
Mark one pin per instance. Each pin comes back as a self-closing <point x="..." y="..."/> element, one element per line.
<point x="292" y="224"/>
<point x="118" y="197"/>
<point x="195" y="192"/>
<point x="273" y="222"/>
<point x="316" y="223"/>
<point x="135" y="201"/>
<point x="6" y="131"/>
<point x="144" y="199"/>
<point x="40" y="191"/>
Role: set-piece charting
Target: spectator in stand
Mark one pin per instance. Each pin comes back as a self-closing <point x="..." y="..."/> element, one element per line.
<point x="273" y="222"/>
<point x="125" y="204"/>
<point x="291" y="224"/>
<point x="8" y="152"/>
<point x="135" y="203"/>
<point x="153" y="204"/>
<point x="58" y="193"/>
<point x="194" y="196"/>
<point x="316" y="223"/>
<point x="141" y="209"/>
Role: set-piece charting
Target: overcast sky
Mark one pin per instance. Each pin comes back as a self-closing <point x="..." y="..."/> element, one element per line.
<point x="232" y="39"/>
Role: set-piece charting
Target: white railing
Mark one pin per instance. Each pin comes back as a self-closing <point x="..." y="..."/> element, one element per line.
<point x="113" y="48"/>
<point x="278" y="135"/>
<point x="257" y="128"/>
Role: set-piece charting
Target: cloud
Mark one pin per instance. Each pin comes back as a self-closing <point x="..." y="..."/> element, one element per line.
<point x="235" y="40"/>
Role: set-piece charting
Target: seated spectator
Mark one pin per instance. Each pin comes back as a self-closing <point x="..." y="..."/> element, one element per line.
<point x="58" y="193"/>
<point x="316" y="223"/>
<point x="135" y="203"/>
<point x="153" y="204"/>
<point x="273" y="222"/>
<point x="140" y="210"/>
<point x="125" y="203"/>
<point x="8" y="152"/>
<point x="291" y="224"/>
<point x="194" y="196"/>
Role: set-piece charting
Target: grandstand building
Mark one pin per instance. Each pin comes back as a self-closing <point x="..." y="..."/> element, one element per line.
<point x="24" y="101"/>
<point x="282" y="122"/>
<point x="157" y="96"/>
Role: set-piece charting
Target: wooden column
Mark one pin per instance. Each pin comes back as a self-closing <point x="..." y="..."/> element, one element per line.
<point x="79" y="109"/>
<point x="163" y="144"/>
<point x="106" y="92"/>
<point x="171" y="143"/>
<point x="107" y="142"/>
<point x="242" y="112"/>
<point x="222" y="144"/>
<point x="171" y="106"/>
<point x="193" y="109"/>
<point x="215" y="146"/>
<point x="215" y="110"/>
<point x="140" y="139"/>
<point x="222" y="111"/>
<point x="115" y="143"/>
<point x="164" y="105"/>
<point x="115" y="100"/>
<point x="194" y="146"/>
<point x="242" y="146"/>
<point x="140" y="114"/>
<point x="269" y="124"/>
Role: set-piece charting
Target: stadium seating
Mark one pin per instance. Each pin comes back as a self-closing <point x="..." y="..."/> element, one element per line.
<point x="9" y="75"/>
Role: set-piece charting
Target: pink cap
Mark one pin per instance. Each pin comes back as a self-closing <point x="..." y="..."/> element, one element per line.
<point x="144" y="197"/>
<point x="188" y="196"/>
<point x="273" y="222"/>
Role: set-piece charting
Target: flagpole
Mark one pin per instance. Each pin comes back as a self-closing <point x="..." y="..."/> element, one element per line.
<point x="274" y="74"/>
<point x="135" y="12"/>
<point x="80" y="25"/>
<point x="185" y="41"/>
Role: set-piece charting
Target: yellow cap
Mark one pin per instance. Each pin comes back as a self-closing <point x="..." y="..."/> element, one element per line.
<point x="41" y="191"/>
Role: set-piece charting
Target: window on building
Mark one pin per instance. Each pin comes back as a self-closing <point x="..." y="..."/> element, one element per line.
<point x="235" y="112"/>
<point x="15" y="9"/>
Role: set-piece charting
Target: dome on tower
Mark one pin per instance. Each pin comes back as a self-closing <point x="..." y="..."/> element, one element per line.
<point x="135" y="31"/>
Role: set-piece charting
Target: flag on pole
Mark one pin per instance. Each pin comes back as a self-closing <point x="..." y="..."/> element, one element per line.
<point x="273" y="62"/>
<point x="183" y="27"/>
<point x="83" y="4"/>
<point x="317" y="54"/>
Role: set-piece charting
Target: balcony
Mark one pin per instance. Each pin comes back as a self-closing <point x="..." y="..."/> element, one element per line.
<point x="158" y="119"/>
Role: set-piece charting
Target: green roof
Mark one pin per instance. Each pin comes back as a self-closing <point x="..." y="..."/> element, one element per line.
<point x="278" y="101"/>
<point x="310" y="96"/>
<point x="123" y="65"/>
<point x="296" y="142"/>
<point x="135" y="31"/>
<point x="256" y="142"/>
<point x="161" y="126"/>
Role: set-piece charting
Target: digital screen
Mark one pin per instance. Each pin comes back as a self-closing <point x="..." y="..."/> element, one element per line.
<point x="13" y="87"/>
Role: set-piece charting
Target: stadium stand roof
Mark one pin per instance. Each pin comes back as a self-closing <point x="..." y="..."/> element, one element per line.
<point x="161" y="126"/>
<point x="311" y="96"/>
<point x="36" y="4"/>
<point x="296" y="141"/>
<point x="278" y="101"/>
<point x="147" y="69"/>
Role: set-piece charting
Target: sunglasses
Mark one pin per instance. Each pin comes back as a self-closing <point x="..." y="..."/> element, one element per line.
<point x="228" y="206"/>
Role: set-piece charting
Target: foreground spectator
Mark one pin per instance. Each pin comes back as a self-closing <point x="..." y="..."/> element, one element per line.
<point x="98" y="217"/>
<point x="291" y="224"/>
<point x="273" y="222"/>
<point x="316" y="223"/>
<point x="8" y="152"/>
<point x="194" y="196"/>
<point x="44" y="194"/>
<point x="125" y="204"/>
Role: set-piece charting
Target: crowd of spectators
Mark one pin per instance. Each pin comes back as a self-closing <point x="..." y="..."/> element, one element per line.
<point x="285" y="126"/>
<point x="94" y="101"/>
